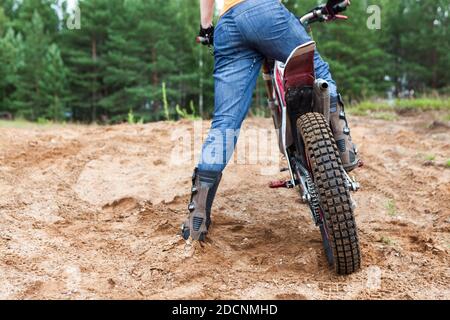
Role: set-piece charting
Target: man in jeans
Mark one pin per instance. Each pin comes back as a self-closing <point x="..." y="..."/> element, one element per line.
<point x="247" y="32"/>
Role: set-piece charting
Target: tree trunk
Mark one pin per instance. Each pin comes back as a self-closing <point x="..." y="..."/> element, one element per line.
<point x="155" y="78"/>
<point x="434" y="63"/>
<point x="94" y="90"/>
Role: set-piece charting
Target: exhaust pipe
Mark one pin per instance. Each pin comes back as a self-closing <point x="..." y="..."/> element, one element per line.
<point x="322" y="98"/>
<point x="322" y="84"/>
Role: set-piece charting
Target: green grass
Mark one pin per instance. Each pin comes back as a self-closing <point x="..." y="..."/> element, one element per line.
<point x="131" y="119"/>
<point x="363" y="108"/>
<point x="448" y="163"/>
<point x="430" y="157"/>
<point x="391" y="208"/>
<point x="18" y="123"/>
<point x="25" y="124"/>
<point x="422" y="104"/>
<point x="387" y="241"/>
<point x="387" y="116"/>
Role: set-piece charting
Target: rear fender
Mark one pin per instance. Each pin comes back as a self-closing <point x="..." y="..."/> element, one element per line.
<point x="299" y="69"/>
<point x="299" y="79"/>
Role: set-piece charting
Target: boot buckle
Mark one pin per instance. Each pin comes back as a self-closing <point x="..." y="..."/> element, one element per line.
<point x="347" y="130"/>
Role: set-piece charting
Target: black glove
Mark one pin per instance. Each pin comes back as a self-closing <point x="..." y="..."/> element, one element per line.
<point x="207" y="35"/>
<point x="333" y="8"/>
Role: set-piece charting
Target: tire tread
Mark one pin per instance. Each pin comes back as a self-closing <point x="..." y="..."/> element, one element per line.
<point x="334" y="195"/>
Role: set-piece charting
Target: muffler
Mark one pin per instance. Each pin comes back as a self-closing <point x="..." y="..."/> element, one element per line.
<point x="322" y="98"/>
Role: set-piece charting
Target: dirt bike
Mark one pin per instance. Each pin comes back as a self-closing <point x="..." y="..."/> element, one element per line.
<point x="300" y="107"/>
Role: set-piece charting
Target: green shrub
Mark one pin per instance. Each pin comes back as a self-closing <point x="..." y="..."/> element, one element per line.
<point x="184" y="114"/>
<point x="165" y="102"/>
<point x="131" y="118"/>
<point x="422" y="104"/>
<point x="387" y="116"/>
<point x="42" y="121"/>
<point x="391" y="208"/>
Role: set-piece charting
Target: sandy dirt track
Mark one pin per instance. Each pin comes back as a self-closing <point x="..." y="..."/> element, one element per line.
<point x="93" y="213"/>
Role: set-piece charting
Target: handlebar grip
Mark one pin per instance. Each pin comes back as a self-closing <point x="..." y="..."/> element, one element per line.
<point x="335" y="6"/>
<point x="341" y="7"/>
<point x="202" y="40"/>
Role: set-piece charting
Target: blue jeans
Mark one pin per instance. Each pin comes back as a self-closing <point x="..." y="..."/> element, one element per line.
<point x="244" y="36"/>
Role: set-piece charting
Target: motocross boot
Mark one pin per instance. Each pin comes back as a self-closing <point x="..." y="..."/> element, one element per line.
<point x="341" y="132"/>
<point x="204" y="188"/>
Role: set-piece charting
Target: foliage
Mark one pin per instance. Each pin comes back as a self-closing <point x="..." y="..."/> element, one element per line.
<point x="184" y="114"/>
<point x="140" y="55"/>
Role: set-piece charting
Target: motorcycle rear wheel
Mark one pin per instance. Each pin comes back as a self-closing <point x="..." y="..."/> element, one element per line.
<point x="334" y="194"/>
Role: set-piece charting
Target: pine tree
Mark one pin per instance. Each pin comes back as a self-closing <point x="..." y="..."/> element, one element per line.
<point x="417" y="35"/>
<point x="127" y="49"/>
<point x="83" y="51"/>
<point x="195" y="80"/>
<point x="25" y="10"/>
<point x="53" y="84"/>
<point x="157" y="34"/>
<point x="4" y="21"/>
<point x="28" y="99"/>
<point x="11" y="56"/>
<point x="125" y="75"/>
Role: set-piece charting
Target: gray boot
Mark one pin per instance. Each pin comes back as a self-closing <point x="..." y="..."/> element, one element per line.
<point x="341" y="132"/>
<point x="204" y="188"/>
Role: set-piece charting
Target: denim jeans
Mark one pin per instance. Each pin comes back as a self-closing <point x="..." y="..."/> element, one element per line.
<point x="244" y="36"/>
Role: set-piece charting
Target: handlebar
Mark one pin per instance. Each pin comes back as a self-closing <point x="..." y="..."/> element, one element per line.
<point x="202" y="40"/>
<point x="326" y="12"/>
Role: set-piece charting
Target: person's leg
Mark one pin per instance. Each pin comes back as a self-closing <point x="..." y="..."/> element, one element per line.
<point x="276" y="32"/>
<point x="235" y="74"/>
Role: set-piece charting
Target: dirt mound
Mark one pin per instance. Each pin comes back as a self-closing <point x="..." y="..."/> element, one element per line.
<point x="94" y="212"/>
